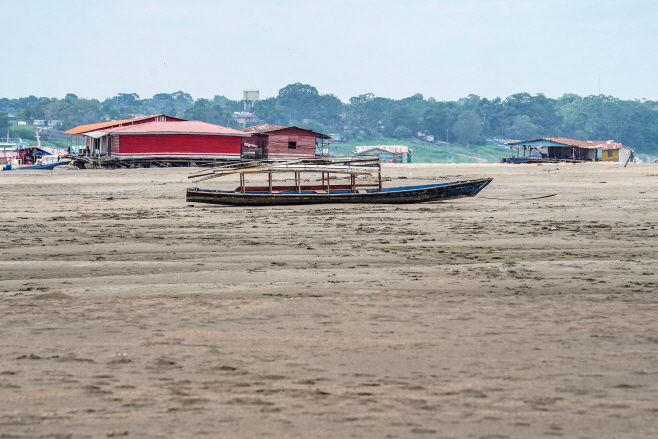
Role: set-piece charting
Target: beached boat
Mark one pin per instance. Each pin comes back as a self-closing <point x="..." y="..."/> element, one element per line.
<point x="42" y="166"/>
<point x="325" y="192"/>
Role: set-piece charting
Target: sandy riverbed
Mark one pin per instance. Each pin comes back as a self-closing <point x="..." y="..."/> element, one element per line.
<point x="125" y="311"/>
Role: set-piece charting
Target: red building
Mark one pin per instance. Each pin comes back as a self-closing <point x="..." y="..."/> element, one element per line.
<point x="177" y="139"/>
<point x="92" y="145"/>
<point x="281" y="142"/>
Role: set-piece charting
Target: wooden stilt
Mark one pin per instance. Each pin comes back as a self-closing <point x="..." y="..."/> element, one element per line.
<point x="379" y="174"/>
<point x="328" y="184"/>
<point x="323" y="181"/>
<point x="270" y="180"/>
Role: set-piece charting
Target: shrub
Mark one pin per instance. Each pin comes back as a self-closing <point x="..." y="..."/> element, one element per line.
<point x="402" y="132"/>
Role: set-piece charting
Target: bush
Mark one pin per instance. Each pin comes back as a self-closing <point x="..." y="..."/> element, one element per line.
<point x="24" y="133"/>
<point x="402" y="132"/>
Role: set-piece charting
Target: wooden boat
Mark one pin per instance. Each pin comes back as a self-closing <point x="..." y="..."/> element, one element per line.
<point x="326" y="192"/>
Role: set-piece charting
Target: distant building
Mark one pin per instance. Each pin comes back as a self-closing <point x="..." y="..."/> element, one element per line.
<point x="250" y="97"/>
<point x="562" y="148"/>
<point x="336" y="137"/>
<point x="278" y="141"/>
<point x="22" y="123"/>
<point x="245" y="118"/>
<point x="386" y="153"/>
<point x="46" y="123"/>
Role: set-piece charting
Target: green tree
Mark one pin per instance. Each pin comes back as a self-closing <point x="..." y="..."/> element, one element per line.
<point x="4" y="124"/>
<point x="299" y="100"/>
<point x="205" y="111"/>
<point x="366" y="112"/>
<point x="170" y="103"/>
<point x="35" y="111"/>
<point x="437" y="120"/>
<point x="404" y="117"/>
<point x="271" y="111"/>
<point x="402" y="132"/>
<point x="468" y="127"/>
<point x="523" y="129"/>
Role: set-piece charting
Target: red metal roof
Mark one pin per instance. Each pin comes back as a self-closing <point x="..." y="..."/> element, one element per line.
<point x="265" y="128"/>
<point x="182" y="127"/>
<point x="114" y="123"/>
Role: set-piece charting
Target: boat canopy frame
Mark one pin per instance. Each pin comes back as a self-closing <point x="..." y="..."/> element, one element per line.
<point x="327" y="166"/>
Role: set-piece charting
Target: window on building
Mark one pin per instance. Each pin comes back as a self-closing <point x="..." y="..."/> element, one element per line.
<point x="292" y="145"/>
<point x="609" y="153"/>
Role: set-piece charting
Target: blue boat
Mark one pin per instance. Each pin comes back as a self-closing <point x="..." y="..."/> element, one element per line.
<point x="34" y="153"/>
<point x="43" y="166"/>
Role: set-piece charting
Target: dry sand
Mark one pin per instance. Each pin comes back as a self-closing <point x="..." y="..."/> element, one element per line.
<point x="123" y="311"/>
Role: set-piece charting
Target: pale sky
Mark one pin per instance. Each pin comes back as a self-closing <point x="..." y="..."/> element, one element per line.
<point x="444" y="49"/>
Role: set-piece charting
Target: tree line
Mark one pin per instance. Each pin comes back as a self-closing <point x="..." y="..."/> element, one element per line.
<point x="469" y="120"/>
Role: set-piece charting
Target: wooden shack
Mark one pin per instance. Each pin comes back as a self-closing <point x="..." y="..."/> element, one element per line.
<point x="386" y="153"/>
<point x="562" y="148"/>
<point x="283" y="142"/>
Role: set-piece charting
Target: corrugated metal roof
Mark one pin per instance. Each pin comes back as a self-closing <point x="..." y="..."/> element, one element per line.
<point x="394" y="149"/>
<point x="182" y="127"/>
<point x="603" y="144"/>
<point x="95" y="134"/>
<point x="265" y="128"/>
<point x="112" y="123"/>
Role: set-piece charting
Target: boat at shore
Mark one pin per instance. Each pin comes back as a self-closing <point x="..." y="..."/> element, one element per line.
<point x="33" y="157"/>
<point x="326" y="192"/>
<point x="42" y="166"/>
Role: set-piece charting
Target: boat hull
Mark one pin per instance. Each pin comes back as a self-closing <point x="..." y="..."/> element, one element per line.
<point x="403" y="195"/>
<point x="42" y="167"/>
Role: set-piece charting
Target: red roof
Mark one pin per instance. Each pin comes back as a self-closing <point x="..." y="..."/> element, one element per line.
<point x="114" y="123"/>
<point x="183" y="127"/>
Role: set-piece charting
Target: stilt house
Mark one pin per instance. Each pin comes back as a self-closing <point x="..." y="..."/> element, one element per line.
<point x="562" y="148"/>
<point x="281" y="142"/>
<point x="171" y="140"/>
<point x="94" y="146"/>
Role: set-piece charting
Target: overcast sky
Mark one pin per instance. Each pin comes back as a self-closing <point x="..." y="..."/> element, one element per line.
<point x="444" y="49"/>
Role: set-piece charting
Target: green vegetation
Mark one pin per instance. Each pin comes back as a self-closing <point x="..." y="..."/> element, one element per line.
<point x="425" y="152"/>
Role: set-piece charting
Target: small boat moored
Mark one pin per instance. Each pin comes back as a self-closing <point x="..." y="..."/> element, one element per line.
<point x="42" y="166"/>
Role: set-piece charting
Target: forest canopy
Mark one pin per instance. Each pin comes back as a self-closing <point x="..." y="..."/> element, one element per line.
<point x="469" y="120"/>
